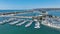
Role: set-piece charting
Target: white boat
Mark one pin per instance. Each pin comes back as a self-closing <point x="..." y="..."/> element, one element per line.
<point x="46" y="23"/>
<point x="1" y="22"/>
<point x="21" y="23"/>
<point x="7" y="20"/>
<point x="11" y="19"/>
<point x="12" y="23"/>
<point x="37" y="25"/>
<point x="4" y="21"/>
<point x="27" y="25"/>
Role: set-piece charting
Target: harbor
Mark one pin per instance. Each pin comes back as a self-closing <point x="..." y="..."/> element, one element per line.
<point x="41" y="21"/>
<point x="51" y="20"/>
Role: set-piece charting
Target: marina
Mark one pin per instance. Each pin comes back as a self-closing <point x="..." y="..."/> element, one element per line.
<point x="40" y="20"/>
<point x="51" y="20"/>
<point x="29" y="16"/>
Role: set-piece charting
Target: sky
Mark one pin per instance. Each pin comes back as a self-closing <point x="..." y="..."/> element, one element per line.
<point x="29" y="4"/>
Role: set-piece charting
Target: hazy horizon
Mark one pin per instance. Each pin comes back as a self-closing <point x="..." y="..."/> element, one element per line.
<point x="28" y="4"/>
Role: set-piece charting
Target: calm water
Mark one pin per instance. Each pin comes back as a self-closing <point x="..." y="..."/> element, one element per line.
<point x="12" y="29"/>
